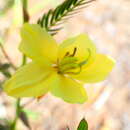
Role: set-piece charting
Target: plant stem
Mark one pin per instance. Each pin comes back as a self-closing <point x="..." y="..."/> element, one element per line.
<point x="7" y="57"/>
<point x="18" y="109"/>
<point x="25" y="12"/>
<point x="24" y="60"/>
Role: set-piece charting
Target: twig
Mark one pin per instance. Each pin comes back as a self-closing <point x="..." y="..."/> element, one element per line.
<point x="7" y="57"/>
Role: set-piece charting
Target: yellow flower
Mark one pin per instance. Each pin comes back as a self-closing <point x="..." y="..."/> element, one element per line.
<point x="61" y="69"/>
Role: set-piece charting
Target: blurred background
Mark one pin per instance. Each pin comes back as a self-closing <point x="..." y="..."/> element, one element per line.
<point x="107" y="22"/>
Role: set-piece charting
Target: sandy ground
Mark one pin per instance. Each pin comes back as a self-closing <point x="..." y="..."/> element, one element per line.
<point x="108" y="108"/>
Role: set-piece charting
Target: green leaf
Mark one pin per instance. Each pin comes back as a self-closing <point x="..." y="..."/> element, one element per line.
<point x="83" y="125"/>
<point x="75" y="1"/>
<point x="31" y="114"/>
<point x="43" y="19"/>
<point x="24" y="118"/>
<point x="55" y="17"/>
<point x="4" y="66"/>
<point x="57" y="12"/>
<point x="4" y="69"/>
<point x="47" y="20"/>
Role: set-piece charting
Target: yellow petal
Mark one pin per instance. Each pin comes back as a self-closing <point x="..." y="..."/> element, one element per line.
<point x="97" y="71"/>
<point x="84" y="48"/>
<point x="38" y="44"/>
<point x="69" y="90"/>
<point x="28" y="81"/>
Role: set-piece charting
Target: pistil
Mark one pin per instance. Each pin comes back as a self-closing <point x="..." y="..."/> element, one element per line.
<point x="69" y="64"/>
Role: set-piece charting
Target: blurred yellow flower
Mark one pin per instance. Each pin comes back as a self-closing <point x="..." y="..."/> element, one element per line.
<point x="61" y="69"/>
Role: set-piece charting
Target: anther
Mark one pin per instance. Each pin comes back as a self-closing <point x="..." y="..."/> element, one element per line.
<point x="67" y="54"/>
<point x="74" y="52"/>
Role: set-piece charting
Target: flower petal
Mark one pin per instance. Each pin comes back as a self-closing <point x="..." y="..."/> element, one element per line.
<point x="28" y="81"/>
<point x="85" y="48"/>
<point x="69" y="90"/>
<point x="37" y="43"/>
<point x="97" y="71"/>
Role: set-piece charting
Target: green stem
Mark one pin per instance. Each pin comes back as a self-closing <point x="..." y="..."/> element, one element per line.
<point x="25" y="12"/>
<point x="24" y="60"/>
<point x="25" y="4"/>
<point x="18" y="109"/>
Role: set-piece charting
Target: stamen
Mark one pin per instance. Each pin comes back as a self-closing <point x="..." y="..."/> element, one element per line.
<point x="67" y="54"/>
<point x="85" y="61"/>
<point x="74" y="52"/>
<point x="80" y="68"/>
<point x="89" y="51"/>
<point x="68" y="60"/>
<point x="69" y="65"/>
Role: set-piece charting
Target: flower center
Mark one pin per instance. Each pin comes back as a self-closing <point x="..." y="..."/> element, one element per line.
<point x="69" y="63"/>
